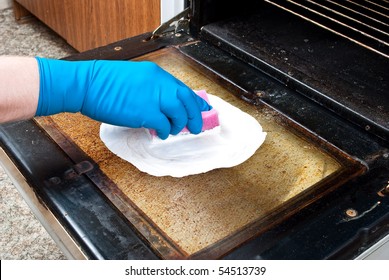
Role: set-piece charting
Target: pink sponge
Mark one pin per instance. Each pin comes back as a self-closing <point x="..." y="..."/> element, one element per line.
<point x="210" y="118"/>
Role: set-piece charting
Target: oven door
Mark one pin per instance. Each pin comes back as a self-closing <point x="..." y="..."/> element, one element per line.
<point x="316" y="189"/>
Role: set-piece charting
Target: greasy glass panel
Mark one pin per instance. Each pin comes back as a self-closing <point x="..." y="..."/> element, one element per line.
<point x="215" y="211"/>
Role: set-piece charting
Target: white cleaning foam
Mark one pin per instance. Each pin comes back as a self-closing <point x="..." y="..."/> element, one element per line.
<point x="235" y="140"/>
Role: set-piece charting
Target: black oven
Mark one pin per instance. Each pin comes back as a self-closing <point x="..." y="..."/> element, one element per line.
<point x="315" y="75"/>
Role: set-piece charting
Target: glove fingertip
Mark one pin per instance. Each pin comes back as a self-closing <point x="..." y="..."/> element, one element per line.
<point x="163" y="128"/>
<point x="195" y="126"/>
<point x="162" y="135"/>
<point x="203" y="104"/>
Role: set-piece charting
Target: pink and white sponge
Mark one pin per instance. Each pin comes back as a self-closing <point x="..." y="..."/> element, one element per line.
<point x="210" y="118"/>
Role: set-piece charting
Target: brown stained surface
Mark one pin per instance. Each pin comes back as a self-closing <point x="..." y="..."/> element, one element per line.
<point x="199" y="210"/>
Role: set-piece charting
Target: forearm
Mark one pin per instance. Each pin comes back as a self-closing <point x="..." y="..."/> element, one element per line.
<point x="19" y="88"/>
<point x="123" y="93"/>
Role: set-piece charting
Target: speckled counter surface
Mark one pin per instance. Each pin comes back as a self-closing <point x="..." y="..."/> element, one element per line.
<point x="21" y="234"/>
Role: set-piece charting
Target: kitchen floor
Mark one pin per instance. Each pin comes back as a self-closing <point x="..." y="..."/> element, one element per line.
<point x="21" y="235"/>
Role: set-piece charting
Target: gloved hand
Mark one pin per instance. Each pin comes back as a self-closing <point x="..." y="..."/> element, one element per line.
<point x="123" y="93"/>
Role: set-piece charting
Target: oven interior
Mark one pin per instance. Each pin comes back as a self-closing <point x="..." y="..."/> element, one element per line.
<point x="334" y="52"/>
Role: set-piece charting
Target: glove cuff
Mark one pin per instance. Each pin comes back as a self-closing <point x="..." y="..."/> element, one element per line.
<point x="63" y="85"/>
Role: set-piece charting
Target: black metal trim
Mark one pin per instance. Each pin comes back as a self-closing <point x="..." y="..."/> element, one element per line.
<point x="90" y="219"/>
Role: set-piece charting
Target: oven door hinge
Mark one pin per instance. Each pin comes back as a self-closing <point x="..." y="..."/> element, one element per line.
<point x="178" y="23"/>
<point x="73" y="173"/>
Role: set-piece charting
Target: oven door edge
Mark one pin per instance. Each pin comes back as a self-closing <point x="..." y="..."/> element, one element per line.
<point x="51" y="224"/>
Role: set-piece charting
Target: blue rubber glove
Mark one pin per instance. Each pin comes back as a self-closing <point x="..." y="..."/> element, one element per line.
<point x="123" y="93"/>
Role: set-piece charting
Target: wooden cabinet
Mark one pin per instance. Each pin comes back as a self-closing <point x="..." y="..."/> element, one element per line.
<point x="87" y="24"/>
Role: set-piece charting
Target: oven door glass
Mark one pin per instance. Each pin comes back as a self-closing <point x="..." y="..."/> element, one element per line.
<point x="208" y="215"/>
